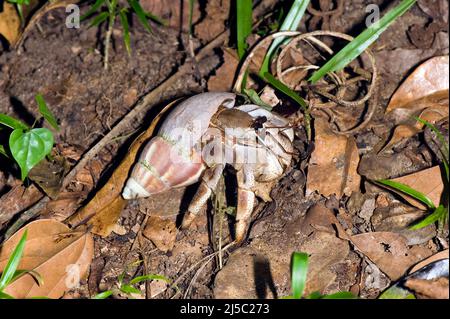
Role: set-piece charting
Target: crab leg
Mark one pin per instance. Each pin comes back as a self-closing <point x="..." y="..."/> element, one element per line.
<point x="209" y="182"/>
<point x="246" y="200"/>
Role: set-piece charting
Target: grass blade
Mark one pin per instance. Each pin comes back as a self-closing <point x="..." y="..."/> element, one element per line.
<point x="101" y="17"/>
<point x="438" y="214"/>
<point x="408" y="191"/>
<point x="13" y="262"/>
<point x="128" y="289"/>
<point x="244" y="24"/>
<point x="340" y="295"/>
<point x="142" y="16"/>
<point x="298" y="273"/>
<point x="286" y="90"/>
<point x="126" y="30"/>
<point x="352" y="50"/>
<point x="290" y="23"/>
<point x="45" y="112"/>
<point x="5" y="296"/>
<point x="95" y="7"/>
<point x="103" y="295"/>
<point x="254" y="97"/>
<point x="157" y="19"/>
<point x="36" y="276"/>
<point x="12" y="122"/>
<point x="149" y="277"/>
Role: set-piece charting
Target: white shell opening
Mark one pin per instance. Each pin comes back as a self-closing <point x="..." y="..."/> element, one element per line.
<point x="133" y="189"/>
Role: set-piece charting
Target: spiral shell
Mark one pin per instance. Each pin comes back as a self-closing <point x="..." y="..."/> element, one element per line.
<point x="170" y="160"/>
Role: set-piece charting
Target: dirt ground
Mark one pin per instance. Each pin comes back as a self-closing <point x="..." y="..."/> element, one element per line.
<point x="65" y="65"/>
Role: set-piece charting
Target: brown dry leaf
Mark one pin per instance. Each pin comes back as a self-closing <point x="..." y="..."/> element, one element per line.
<point x="61" y="257"/>
<point x="49" y="175"/>
<point x="389" y="251"/>
<point x="103" y="211"/>
<point x="429" y="289"/>
<point x="430" y="77"/>
<point x="333" y="164"/>
<point x="66" y="204"/>
<point x="16" y="200"/>
<point x="161" y="231"/>
<point x="428" y="182"/>
<point x="9" y="23"/>
<point x="222" y="81"/>
<point x="440" y="255"/>
<point x="401" y="133"/>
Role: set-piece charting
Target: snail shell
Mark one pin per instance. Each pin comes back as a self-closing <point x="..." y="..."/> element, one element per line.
<point x="170" y="159"/>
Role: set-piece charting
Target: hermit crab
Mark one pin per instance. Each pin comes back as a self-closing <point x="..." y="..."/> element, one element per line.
<point x="203" y="134"/>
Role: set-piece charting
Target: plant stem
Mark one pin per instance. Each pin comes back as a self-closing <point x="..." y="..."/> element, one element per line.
<point x="108" y="39"/>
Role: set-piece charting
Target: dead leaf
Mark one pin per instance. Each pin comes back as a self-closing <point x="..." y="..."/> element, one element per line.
<point x="430" y="77"/>
<point x="428" y="182"/>
<point x="223" y="80"/>
<point x="389" y="251"/>
<point x="429" y="289"/>
<point x="16" y="200"/>
<point x="333" y="164"/>
<point x="440" y="255"/>
<point x="9" y="23"/>
<point x="103" y="211"/>
<point x="161" y="231"/>
<point x="49" y="175"/>
<point x="61" y="257"/>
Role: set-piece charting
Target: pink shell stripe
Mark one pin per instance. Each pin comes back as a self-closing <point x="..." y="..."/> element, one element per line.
<point x="160" y="167"/>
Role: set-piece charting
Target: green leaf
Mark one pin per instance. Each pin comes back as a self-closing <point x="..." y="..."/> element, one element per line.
<point x="95" y="7"/>
<point x="126" y="31"/>
<point x="128" y="289"/>
<point x="254" y="97"/>
<point x="299" y="272"/>
<point x="439" y="213"/>
<point x="13" y="262"/>
<point x="149" y="277"/>
<point x="29" y="148"/>
<point x="409" y="191"/>
<point x="244" y="24"/>
<point x="3" y="151"/>
<point x="396" y="292"/>
<point x="103" y="295"/>
<point x="101" y="17"/>
<point x="157" y="19"/>
<point x="12" y="122"/>
<point x="290" y="23"/>
<point x="314" y="295"/>
<point x="45" y="111"/>
<point x="5" y="296"/>
<point x="142" y="16"/>
<point x="353" y="49"/>
<point x="340" y="295"/>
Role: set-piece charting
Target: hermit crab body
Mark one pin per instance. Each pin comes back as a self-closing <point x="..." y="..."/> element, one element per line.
<point x="203" y="134"/>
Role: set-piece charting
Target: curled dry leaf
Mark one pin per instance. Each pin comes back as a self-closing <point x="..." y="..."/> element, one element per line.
<point x="430" y="77"/>
<point x="389" y="251"/>
<point x="440" y="255"/>
<point x="334" y="162"/>
<point x="61" y="257"/>
<point x="9" y="23"/>
<point x="161" y="231"/>
<point x="103" y="211"/>
<point x="428" y="182"/>
<point x="429" y="289"/>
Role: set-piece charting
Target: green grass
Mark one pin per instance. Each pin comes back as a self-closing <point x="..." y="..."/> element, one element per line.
<point x="353" y="49"/>
<point x="299" y="274"/>
<point x="244" y="25"/>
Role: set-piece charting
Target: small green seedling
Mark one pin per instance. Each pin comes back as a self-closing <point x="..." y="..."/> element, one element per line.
<point x="110" y="14"/>
<point x="10" y="273"/>
<point x="437" y="214"/>
<point x="19" y="6"/>
<point x="128" y="288"/>
<point x="299" y="272"/>
<point x="29" y="145"/>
